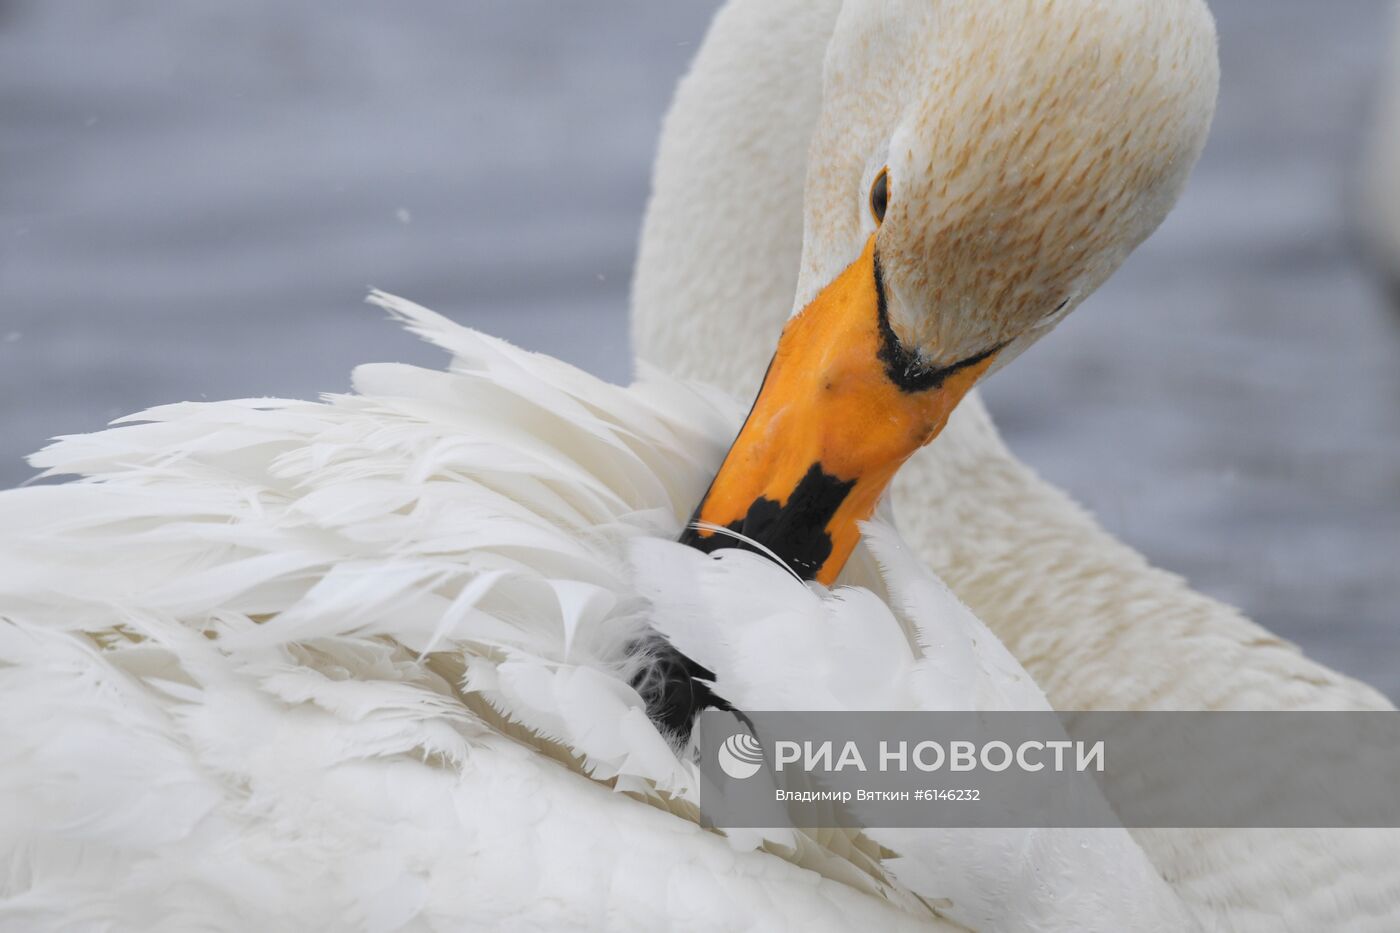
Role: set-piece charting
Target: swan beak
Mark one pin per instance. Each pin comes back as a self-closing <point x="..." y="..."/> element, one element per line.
<point x="842" y="407"/>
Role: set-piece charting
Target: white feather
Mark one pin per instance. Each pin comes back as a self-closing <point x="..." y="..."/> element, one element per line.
<point x="363" y="663"/>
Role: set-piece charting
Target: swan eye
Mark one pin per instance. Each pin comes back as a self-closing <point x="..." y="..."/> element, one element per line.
<point x="880" y="195"/>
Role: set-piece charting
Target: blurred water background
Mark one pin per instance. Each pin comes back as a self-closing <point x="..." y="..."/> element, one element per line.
<point x="194" y="199"/>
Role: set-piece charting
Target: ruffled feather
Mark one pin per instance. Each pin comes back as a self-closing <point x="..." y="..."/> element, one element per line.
<point x="365" y="662"/>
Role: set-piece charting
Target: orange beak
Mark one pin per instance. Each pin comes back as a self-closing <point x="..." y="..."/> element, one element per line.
<point x="841" y="409"/>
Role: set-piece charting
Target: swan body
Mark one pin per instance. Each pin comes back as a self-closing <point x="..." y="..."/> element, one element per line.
<point x="1091" y="620"/>
<point x="279" y="665"/>
<point x="370" y="661"/>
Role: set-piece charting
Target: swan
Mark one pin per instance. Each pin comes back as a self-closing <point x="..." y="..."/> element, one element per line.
<point x="370" y="661"/>
<point x="359" y="663"/>
<point x="353" y="662"/>
<point x="721" y="255"/>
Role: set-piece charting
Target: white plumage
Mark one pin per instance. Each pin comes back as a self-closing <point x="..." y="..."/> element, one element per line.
<point x="1093" y="622"/>
<point x="362" y="663"/>
<point x="267" y="666"/>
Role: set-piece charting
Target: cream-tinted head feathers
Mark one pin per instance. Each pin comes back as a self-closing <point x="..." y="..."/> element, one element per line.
<point x="1031" y="146"/>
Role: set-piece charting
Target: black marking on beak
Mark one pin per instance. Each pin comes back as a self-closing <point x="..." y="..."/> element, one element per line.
<point x="903" y="366"/>
<point x="795" y="532"/>
<point x="677" y="689"/>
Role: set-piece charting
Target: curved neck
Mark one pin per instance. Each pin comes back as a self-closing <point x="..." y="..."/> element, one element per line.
<point x="1093" y="623"/>
<point x="715" y="279"/>
<point x="722" y="238"/>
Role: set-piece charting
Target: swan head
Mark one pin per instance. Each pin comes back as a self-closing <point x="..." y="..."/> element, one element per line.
<point x="1027" y="148"/>
<point x="978" y="170"/>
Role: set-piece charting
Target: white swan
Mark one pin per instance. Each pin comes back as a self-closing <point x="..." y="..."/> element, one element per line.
<point x="271" y="666"/>
<point x="255" y="674"/>
<point x="1093" y="623"/>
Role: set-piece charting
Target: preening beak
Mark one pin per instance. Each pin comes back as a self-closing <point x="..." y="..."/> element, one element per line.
<point x="842" y="407"/>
